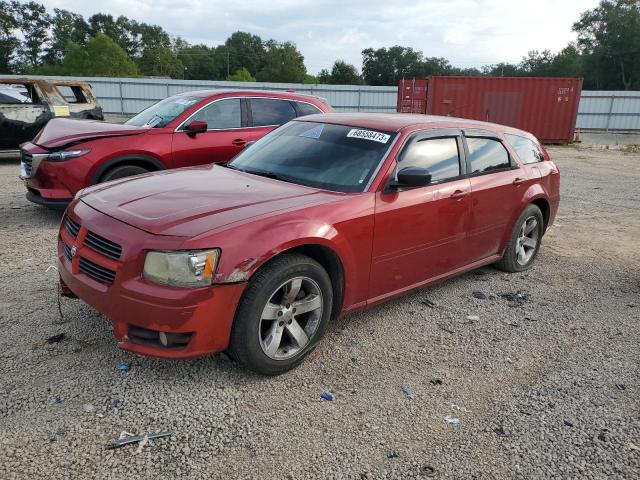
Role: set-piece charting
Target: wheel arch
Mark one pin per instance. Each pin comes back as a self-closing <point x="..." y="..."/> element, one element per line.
<point x="543" y="204"/>
<point x="145" y="161"/>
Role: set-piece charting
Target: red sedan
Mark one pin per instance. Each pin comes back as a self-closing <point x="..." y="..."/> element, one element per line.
<point x="192" y="128"/>
<point x="325" y="215"/>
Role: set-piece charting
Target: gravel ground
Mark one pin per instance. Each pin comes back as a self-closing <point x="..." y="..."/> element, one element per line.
<point x="542" y="374"/>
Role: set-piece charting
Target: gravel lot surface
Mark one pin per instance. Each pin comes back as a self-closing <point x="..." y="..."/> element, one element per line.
<point x="540" y="378"/>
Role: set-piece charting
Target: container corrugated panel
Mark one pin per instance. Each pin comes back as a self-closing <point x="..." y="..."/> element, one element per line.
<point x="412" y="96"/>
<point x="545" y="106"/>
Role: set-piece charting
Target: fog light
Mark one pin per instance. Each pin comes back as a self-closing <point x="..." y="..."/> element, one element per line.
<point x="163" y="339"/>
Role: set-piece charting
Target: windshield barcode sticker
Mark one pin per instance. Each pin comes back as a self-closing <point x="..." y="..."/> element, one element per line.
<point x="368" y="135"/>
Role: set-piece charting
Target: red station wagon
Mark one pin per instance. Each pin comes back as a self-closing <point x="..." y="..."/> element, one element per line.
<point x="326" y="214"/>
<point x="191" y="128"/>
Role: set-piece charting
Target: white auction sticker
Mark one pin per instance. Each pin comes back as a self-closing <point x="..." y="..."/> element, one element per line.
<point x="369" y="135"/>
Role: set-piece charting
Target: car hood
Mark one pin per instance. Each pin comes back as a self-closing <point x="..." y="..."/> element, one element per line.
<point x="59" y="132"/>
<point x="191" y="201"/>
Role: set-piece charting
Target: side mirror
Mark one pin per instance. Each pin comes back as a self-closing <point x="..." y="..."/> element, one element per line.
<point x="195" y="127"/>
<point x="248" y="144"/>
<point x="410" y="177"/>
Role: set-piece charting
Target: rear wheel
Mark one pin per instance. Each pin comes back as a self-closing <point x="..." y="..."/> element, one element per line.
<point x="282" y="315"/>
<point x="525" y="240"/>
<point x="122" y="171"/>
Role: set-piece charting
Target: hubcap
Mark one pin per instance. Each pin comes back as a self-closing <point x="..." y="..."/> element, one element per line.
<point x="527" y="241"/>
<point x="290" y="318"/>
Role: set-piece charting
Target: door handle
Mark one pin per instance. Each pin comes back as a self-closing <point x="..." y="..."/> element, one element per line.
<point x="458" y="194"/>
<point x="239" y="142"/>
<point x="519" y="181"/>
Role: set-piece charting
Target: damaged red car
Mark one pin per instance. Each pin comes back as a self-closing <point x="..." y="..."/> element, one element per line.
<point x="325" y="215"/>
<point x="192" y="128"/>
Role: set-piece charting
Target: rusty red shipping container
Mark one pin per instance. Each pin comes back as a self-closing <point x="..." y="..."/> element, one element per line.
<point x="544" y="106"/>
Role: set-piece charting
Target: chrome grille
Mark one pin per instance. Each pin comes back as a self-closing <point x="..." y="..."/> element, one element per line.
<point x="97" y="272"/>
<point x="103" y="246"/>
<point x="27" y="162"/>
<point x="72" y="227"/>
<point x="66" y="250"/>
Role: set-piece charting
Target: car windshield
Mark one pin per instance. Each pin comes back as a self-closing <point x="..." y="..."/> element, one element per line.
<point x="161" y="113"/>
<point x="333" y="157"/>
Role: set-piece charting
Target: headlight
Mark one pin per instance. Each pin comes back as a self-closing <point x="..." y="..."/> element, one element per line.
<point x="181" y="269"/>
<point x="63" y="155"/>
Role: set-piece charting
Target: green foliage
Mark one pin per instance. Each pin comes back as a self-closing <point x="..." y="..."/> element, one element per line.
<point x="241" y="75"/>
<point x="160" y="62"/>
<point x="101" y="57"/>
<point x="8" y="40"/>
<point x="199" y="62"/>
<point x="342" y="73"/>
<point x="609" y="39"/>
<point x="245" y="51"/>
<point x="282" y="63"/>
<point x="310" y="80"/>
<point x="66" y="27"/>
<point x="33" y="23"/>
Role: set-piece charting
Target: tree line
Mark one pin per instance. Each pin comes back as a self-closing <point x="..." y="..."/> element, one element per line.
<point x="34" y="41"/>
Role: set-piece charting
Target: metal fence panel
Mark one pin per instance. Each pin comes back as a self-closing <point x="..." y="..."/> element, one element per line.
<point x="599" y="110"/>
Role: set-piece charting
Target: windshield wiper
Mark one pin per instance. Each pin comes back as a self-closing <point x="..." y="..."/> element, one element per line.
<point x="263" y="173"/>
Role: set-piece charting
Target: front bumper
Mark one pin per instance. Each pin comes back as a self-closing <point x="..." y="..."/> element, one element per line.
<point x="204" y="315"/>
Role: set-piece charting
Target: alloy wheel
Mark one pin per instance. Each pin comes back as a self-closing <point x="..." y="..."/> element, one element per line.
<point x="527" y="241"/>
<point x="290" y="318"/>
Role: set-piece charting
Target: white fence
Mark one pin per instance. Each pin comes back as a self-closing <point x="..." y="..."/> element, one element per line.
<point x="599" y="110"/>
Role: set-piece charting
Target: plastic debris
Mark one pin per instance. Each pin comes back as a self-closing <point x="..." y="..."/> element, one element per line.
<point x="473" y="318"/>
<point x="51" y="267"/>
<point x="56" y="338"/>
<point x="462" y="409"/>
<point x="428" y="303"/>
<point x="568" y="423"/>
<point x="452" y="421"/>
<point x="127" y="439"/>
<point x="479" y="295"/>
<point x="435" y="381"/>
<point x="326" y="396"/>
<point x="621" y="386"/>
<point x="123" y="367"/>
<point x="500" y="431"/>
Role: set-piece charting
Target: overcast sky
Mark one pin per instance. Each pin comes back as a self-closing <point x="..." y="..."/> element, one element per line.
<point x="470" y="33"/>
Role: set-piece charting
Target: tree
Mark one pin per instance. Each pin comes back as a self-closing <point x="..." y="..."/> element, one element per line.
<point x="282" y="63"/>
<point x="609" y="38"/>
<point x="66" y="27"/>
<point x="101" y="57"/>
<point x="241" y="75"/>
<point x="33" y="23"/>
<point x="160" y="62"/>
<point x="388" y="66"/>
<point x="344" y="73"/>
<point x="8" y="41"/>
<point x="568" y="63"/>
<point x="199" y="61"/>
<point x="120" y="30"/>
<point x="245" y="51"/>
<point x="502" y="69"/>
<point x="537" y="64"/>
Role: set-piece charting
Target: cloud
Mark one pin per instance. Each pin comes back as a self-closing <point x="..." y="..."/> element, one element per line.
<point x="468" y="33"/>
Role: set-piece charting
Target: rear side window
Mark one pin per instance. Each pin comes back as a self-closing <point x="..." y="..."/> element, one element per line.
<point x="528" y="151"/>
<point x="486" y="155"/>
<point x="438" y="155"/>
<point x="306" y="109"/>
<point x="72" y="94"/>
<point x="221" y="114"/>
<point x="267" y="111"/>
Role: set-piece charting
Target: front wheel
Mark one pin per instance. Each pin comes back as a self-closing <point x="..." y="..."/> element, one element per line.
<point x="123" y="171"/>
<point x="524" y="243"/>
<point x="282" y="315"/>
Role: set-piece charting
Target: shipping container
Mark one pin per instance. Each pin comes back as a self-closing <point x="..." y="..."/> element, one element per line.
<point x="545" y="106"/>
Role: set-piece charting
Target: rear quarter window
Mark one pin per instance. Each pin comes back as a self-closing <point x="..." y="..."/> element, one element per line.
<point x="528" y="151"/>
<point x="306" y="109"/>
<point x="487" y="155"/>
<point x="268" y="111"/>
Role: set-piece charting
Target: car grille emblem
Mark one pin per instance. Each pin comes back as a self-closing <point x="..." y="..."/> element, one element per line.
<point x="74" y="250"/>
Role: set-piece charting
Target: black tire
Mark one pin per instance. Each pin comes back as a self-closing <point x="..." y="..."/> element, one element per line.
<point x="246" y="346"/>
<point x="122" y="171"/>
<point x="510" y="260"/>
